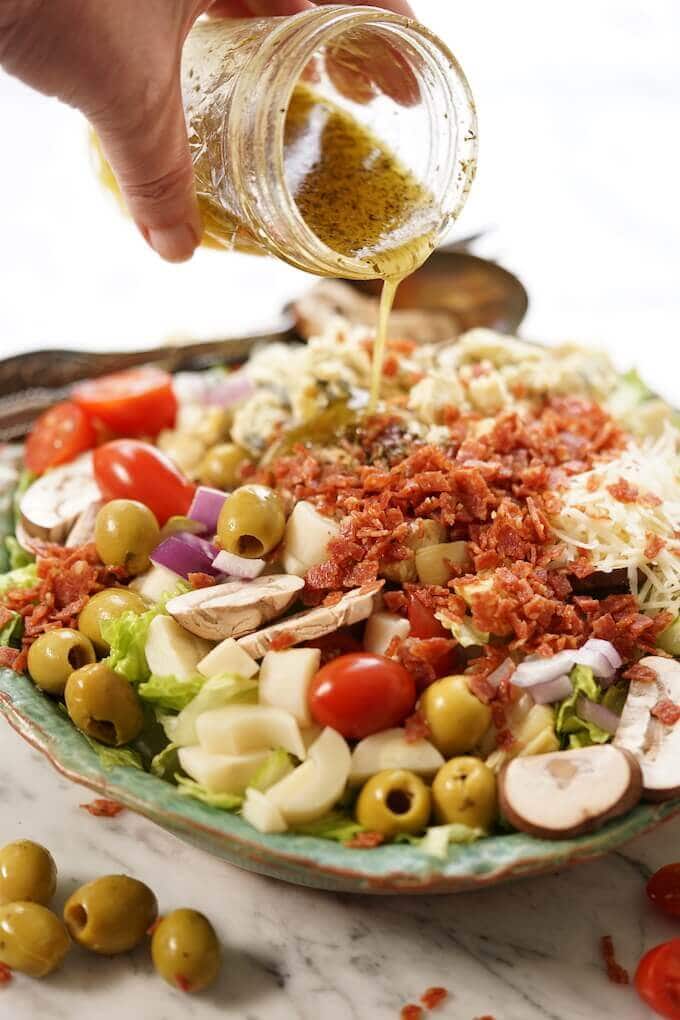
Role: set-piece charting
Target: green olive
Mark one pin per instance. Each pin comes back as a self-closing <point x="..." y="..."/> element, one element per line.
<point x="108" y="604"/>
<point x="457" y="719"/>
<point x="126" y="533"/>
<point x="221" y="466"/>
<point x="110" y="915"/>
<point x="251" y="521"/>
<point x="54" y="655"/>
<point x="464" y="791"/>
<point x="669" y="639"/>
<point x="103" y="704"/>
<point x="27" y="872"/>
<point x="185" y="950"/>
<point x="394" y="801"/>
<point x="32" y="938"/>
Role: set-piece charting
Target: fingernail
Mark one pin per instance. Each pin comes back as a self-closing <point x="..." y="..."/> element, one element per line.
<point x="174" y="244"/>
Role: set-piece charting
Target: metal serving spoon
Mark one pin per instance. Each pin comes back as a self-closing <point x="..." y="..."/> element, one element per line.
<point x="472" y="290"/>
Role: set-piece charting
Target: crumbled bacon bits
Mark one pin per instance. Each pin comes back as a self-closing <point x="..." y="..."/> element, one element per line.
<point x="102" y="808"/>
<point x="667" y="712"/>
<point x="365" y="841"/>
<point x="411" y="1012"/>
<point x="645" y="674"/>
<point x="200" y="580"/>
<point x="5" y="974"/>
<point x="617" y="974"/>
<point x="183" y="983"/>
<point x="416" y="728"/>
<point x="434" y="997"/>
<point x="284" y="639"/>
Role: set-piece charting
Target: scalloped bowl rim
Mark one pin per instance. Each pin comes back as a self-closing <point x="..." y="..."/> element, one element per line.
<point x="304" y="860"/>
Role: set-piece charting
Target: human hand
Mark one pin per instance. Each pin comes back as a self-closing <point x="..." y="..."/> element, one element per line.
<point x="119" y="63"/>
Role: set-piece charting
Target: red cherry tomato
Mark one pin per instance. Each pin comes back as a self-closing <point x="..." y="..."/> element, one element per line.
<point x="423" y="621"/>
<point x="657" y="979"/>
<point x="138" y="402"/>
<point x="128" y="469"/>
<point x="663" y="889"/>
<point x="360" y="694"/>
<point x="58" y="436"/>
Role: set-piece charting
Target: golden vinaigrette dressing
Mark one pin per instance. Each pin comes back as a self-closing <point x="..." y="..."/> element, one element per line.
<point x="352" y="192"/>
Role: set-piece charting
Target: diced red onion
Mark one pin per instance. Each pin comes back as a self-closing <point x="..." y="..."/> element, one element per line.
<point x="186" y="554"/>
<point x="501" y="673"/>
<point x="206" y="505"/>
<point x="213" y="389"/>
<point x="599" y="663"/>
<point x="238" y="566"/>
<point x="553" y="690"/>
<point x="600" y="715"/>
<point x="607" y="649"/>
<point x="540" y="671"/>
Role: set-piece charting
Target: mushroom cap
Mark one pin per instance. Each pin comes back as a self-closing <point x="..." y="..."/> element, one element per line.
<point x="236" y="607"/>
<point x="50" y="507"/>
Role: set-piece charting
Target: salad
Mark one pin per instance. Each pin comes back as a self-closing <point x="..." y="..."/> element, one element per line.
<point x="455" y="617"/>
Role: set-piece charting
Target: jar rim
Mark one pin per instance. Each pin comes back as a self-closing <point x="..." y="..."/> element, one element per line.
<point x="299" y="37"/>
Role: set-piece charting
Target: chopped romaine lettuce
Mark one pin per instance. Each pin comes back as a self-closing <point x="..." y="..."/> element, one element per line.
<point x="17" y="556"/>
<point x="214" y="693"/>
<point x="165" y="764"/>
<point x="464" y="631"/>
<point x="569" y="726"/>
<point x="224" y="801"/>
<point x="22" y="577"/>
<point x="277" y="765"/>
<point x="614" y="698"/>
<point x="438" y="838"/>
<point x="336" y="826"/>
<point x="10" y="634"/>
<point x="112" y="757"/>
<point x="171" y="692"/>
<point x="127" y="636"/>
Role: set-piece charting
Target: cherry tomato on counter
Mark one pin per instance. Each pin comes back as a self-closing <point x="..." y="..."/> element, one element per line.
<point x="657" y="979"/>
<point x="129" y="469"/>
<point x="423" y="621"/>
<point x="361" y="693"/>
<point x="137" y="402"/>
<point x="663" y="889"/>
<point x="59" y="435"/>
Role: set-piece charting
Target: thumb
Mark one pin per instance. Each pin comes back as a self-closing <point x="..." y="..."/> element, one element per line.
<point x="149" y="154"/>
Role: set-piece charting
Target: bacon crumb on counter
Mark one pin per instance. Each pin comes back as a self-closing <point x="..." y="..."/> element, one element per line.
<point x="5" y="974"/>
<point x="102" y="808"/>
<point x="667" y="712"/>
<point x="645" y="674"/>
<point x="617" y="974"/>
<point x="434" y="997"/>
<point x="365" y="841"/>
<point x="411" y="1012"/>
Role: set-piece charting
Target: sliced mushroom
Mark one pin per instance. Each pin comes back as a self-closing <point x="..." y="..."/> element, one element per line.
<point x="50" y="507"/>
<point x="82" y="531"/>
<point x="311" y="624"/>
<point x="568" y="793"/>
<point x="655" y="745"/>
<point x="235" y="608"/>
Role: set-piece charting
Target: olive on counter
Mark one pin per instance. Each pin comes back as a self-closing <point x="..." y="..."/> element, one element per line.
<point x="464" y="791"/>
<point x="125" y="533"/>
<point x="394" y="801"/>
<point x="55" y="655"/>
<point x="251" y="522"/>
<point x="456" y="718"/>
<point x="185" y="950"/>
<point x="27" y="872"/>
<point x="110" y="915"/>
<point x="33" y="940"/>
<point x="108" y="604"/>
<point x="221" y="466"/>
<point x="103" y="704"/>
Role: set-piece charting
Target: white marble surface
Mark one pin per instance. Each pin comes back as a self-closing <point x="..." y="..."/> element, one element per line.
<point x="579" y="169"/>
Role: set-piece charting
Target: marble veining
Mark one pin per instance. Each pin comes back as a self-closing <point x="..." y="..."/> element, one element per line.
<point x="523" y="951"/>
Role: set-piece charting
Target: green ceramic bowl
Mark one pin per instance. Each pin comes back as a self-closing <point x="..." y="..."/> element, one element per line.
<point x="303" y="859"/>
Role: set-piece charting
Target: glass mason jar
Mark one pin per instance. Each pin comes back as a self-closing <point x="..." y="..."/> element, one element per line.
<point x="238" y="78"/>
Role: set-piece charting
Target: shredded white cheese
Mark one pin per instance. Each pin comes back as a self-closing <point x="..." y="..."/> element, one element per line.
<point x="617" y="533"/>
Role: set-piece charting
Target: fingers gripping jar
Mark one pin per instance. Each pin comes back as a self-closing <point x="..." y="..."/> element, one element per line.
<point x="342" y="140"/>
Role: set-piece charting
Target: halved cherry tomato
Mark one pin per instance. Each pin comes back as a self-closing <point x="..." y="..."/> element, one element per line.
<point x="657" y="979"/>
<point x="129" y="469"/>
<point x="58" y="436"/>
<point x="137" y="402"/>
<point x="663" y="889"/>
<point x="423" y="621"/>
<point x="361" y="693"/>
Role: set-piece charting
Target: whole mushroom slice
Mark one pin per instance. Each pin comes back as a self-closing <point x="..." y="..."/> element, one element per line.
<point x="311" y="624"/>
<point x="235" y="608"/>
<point x="568" y="793"/>
<point x="51" y="506"/>
<point x="655" y="744"/>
